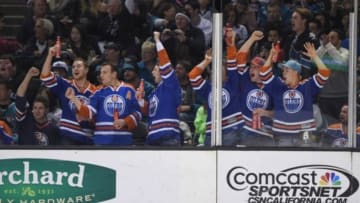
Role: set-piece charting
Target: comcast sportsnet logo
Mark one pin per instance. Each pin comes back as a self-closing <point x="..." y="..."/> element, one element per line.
<point x="307" y="183"/>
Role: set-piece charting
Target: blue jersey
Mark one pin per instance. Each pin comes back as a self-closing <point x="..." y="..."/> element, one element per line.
<point x="71" y="124"/>
<point x="231" y="108"/>
<point x="293" y="107"/>
<point x="107" y="102"/>
<point x="252" y="97"/>
<point x="164" y="101"/>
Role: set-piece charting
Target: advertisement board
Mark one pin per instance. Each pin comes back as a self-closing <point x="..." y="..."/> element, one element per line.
<point x="286" y="177"/>
<point x="70" y="176"/>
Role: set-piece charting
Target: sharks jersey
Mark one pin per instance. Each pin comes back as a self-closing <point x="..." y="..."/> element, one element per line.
<point x="164" y="101"/>
<point x="293" y="107"/>
<point x="71" y="124"/>
<point x="253" y="96"/>
<point x="231" y="108"/>
<point x="104" y="105"/>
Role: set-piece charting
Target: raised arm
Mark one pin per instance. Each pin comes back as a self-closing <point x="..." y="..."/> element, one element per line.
<point x="311" y="53"/>
<point x="46" y="69"/>
<point x="32" y="72"/>
<point x="255" y="36"/>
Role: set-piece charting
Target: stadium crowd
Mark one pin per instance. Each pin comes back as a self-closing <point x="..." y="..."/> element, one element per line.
<point x="138" y="72"/>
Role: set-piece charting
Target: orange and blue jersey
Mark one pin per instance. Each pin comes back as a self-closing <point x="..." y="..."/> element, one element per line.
<point x="164" y="101"/>
<point x="108" y="104"/>
<point x="293" y="107"/>
<point x="71" y="124"/>
<point x="253" y="96"/>
<point x="231" y="108"/>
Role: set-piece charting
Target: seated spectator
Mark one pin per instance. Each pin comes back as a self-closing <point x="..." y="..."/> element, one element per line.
<point x="206" y="9"/>
<point x="164" y="16"/>
<point x="185" y="42"/>
<point x="148" y="61"/>
<point x="34" y="126"/>
<point x="7" y="137"/>
<point x="37" y="46"/>
<point x="60" y="68"/>
<point x="192" y="8"/>
<point x="10" y="72"/>
<point x="113" y="54"/>
<point x="91" y="14"/>
<point x="334" y="94"/>
<point x="132" y="77"/>
<point x="80" y="45"/>
<point x="336" y="135"/>
<point x="118" y="25"/>
<point x="39" y="9"/>
<point x="7" y="106"/>
<point x="231" y="21"/>
<point x="245" y="15"/>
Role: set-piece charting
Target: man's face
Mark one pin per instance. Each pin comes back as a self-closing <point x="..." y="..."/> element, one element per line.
<point x="334" y="39"/>
<point x="113" y="8"/>
<point x="344" y="114"/>
<point x="106" y="75"/>
<point x="75" y="35"/>
<point x="40" y="31"/>
<point x="39" y="8"/>
<point x="148" y="55"/>
<point x="273" y="13"/>
<point x="297" y="22"/>
<point x="111" y="54"/>
<point x="39" y="111"/>
<point x="180" y="71"/>
<point x="181" y="23"/>
<point x="289" y="76"/>
<point x="79" y="70"/>
<point x="129" y="75"/>
<point x="273" y="36"/>
<point x="254" y="73"/>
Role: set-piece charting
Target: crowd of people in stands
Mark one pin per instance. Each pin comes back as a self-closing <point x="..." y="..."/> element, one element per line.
<point x="135" y="72"/>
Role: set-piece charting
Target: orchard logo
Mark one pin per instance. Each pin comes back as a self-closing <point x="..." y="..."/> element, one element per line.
<point x="53" y="181"/>
<point x="307" y="183"/>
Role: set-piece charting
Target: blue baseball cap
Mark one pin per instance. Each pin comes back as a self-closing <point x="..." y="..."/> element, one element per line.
<point x="292" y="64"/>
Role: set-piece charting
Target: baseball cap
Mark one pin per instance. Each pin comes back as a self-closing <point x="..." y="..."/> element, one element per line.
<point x="258" y="61"/>
<point x="129" y="66"/>
<point x="61" y="65"/>
<point x="112" y="45"/>
<point x="292" y="64"/>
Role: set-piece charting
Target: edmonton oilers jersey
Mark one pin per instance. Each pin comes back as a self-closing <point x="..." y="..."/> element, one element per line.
<point x="231" y="108"/>
<point x="106" y="103"/>
<point x="293" y="109"/>
<point x="164" y="101"/>
<point x="71" y="124"/>
<point x="252" y="97"/>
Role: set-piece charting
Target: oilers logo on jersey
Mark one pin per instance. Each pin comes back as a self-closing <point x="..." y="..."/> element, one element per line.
<point x="257" y="98"/>
<point x="293" y="101"/>
<point x="153" y="105"/>
<point x="83" y="99"/>
<point x="113" y="102"/>
<point x="225" y="97"/>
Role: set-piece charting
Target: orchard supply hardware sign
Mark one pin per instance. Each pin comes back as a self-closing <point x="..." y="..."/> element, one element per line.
<point x="54" y="181"/>
<point x="304" y="183"/>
